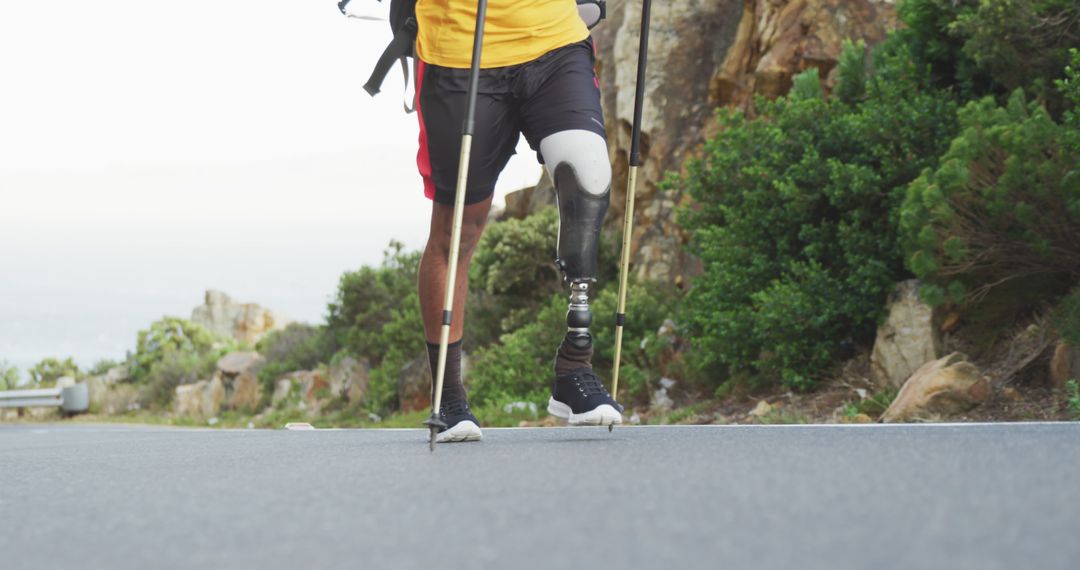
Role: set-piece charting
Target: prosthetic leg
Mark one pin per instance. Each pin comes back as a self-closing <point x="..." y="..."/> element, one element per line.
<point x="577" y="161"/>
<point x="580" y="215"/>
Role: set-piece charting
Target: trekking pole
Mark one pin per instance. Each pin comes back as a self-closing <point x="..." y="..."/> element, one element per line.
<point x="631" y="186"/>
<point x="434" y="423"/>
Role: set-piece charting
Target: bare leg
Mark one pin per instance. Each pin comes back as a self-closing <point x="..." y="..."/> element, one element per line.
<point x="434" y="261"/>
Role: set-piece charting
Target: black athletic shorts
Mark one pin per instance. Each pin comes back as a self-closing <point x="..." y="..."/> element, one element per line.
<point x="556" y="92"/>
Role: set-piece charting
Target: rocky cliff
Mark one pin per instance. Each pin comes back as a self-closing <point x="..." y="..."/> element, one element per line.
<point x="246" y="322"/>
<point x="703" y="54"/>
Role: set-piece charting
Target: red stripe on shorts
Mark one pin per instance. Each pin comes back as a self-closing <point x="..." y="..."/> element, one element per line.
<point x="423" y="159"/>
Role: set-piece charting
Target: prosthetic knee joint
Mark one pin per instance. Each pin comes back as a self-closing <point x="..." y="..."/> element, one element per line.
<point x="579" y="167"/>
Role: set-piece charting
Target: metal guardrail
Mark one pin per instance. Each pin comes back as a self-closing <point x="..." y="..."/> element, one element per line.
<point x="71" y="399"/>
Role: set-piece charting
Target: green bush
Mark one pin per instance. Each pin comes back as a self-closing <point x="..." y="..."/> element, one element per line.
<point x="795" y="217"/>
<point x="1072" y="392"/>
<point x="369" y="299"/>
<point x="992" y="47"/>
<point x="1003" y="206"/>
<point x="520" y="366"/>
<point x="513" y="273"/>
<point x="174" y="335"/>
<point x="171" y="352"/>
<point x="102" y="367"/>
<point x="45" y="373"/>
<point x="1070" y="89"/>
<point x="176" y="367"/>
<point x="648" y="305"/>
<point x="9" y="376"/>
<point x="1067" y="319"/>
<point x="376" y="315"/>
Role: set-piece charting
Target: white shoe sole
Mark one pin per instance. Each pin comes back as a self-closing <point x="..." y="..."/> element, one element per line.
<point x="463" y="431"/>
<point x="603" y="415"/>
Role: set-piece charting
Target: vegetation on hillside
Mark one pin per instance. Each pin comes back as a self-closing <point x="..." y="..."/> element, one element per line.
<point x="949" y="152"/>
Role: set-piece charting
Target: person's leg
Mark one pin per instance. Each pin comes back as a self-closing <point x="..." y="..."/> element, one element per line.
<point x="441" y="109"/>
<point x="433" y="273"/>
<point x="563" y="121"/>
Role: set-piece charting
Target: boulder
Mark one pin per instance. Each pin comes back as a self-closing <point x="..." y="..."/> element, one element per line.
<point x="117" y="399"/>
<point x="236" y="363"/>
<point x="942" y="387"/>
<point x="349" y="378"/>
<point x="414" y="385"/>
<point x="661" y="401"/>
<point x="1064" y="365"/>
<point x="189" y="398"/>
<point x="283" y="388"/>
<point x="246" y="322"/>
<point x="762" y="409"/>
<point x="246" y="392"/>
<point x="907" y="340"/>
<point x="311" y="385"/>
<point x="213" y="396"/>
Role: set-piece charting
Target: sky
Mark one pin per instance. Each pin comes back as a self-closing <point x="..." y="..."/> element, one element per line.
<point x="152" y="150"/>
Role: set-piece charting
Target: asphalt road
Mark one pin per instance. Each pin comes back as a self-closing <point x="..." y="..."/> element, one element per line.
<point x="761" y="497"/>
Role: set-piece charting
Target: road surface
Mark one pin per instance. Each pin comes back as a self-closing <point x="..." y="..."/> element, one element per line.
<point x="760" y="497"/>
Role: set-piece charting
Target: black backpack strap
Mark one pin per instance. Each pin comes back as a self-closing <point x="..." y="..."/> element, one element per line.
<point x="405" y="75"/>
<point x="399" y="48"/>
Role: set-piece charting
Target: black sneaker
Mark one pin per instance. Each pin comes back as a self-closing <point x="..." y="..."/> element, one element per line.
<point x="462" y="424"/>
<point x="581" y="399"/>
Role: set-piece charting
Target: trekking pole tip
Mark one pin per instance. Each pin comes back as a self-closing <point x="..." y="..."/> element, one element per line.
<point x="434" y="423"/>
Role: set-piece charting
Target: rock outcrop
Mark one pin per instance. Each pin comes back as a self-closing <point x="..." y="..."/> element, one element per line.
<point x="907" y="340"/>
<point x="943" y="387"/>
<point x="246" y="322"/>
<point x="703" y="54"/>
<point x="189" y="398"/>
<point x="1064" y="365"/>
<point x="349" y="378"/>
<point x="414" y="385"/>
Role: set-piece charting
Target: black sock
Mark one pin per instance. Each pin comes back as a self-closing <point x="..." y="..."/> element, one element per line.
<point x="570" y="356"/>
<point x="452" y="388"/>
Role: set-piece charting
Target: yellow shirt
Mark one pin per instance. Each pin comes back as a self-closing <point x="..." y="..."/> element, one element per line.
<point x="515" y="31"/>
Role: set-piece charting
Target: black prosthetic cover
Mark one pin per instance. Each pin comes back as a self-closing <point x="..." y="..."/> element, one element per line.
<point x="580" y="217"/>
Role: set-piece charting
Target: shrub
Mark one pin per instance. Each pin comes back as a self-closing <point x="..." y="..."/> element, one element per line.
<point x="45" y="373"/>
<point x="173" y="334"/>
<point x="1068" y="318"/>
<point x="171" y="352"/>
<point x="368" y="299"/>
<point x="1070" y="89"/>
<point x="102" y="367"/>
<point x="648" y="305"/>
<point x="520" y="366"/>
<point x="176" y="367"/>
<point x="795" y="217"/>
<point x="376" y="314"/>
<point x="513" y="273"/>
<point x="1003" y="205"/>
<point x="399" y="341"/>
<point x="9" y="376"/>
<point x="1072" y="392"/>
<point x="991" y="47"/>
